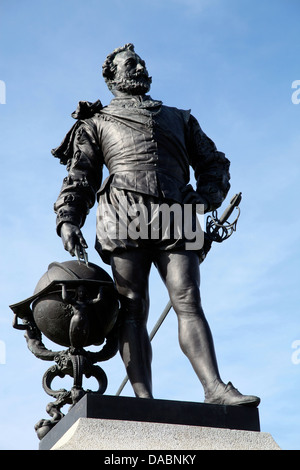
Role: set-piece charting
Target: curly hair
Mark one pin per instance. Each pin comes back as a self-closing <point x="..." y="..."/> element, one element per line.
<point x="108" y="68"/>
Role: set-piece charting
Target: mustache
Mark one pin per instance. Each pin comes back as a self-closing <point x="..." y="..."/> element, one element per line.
<point x="137" y="81"/>
<point x="134" y="83"/>
<point x="136" y="75"/>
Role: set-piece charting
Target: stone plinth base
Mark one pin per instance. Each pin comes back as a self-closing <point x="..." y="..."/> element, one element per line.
<point x="99" y="434"/>
<point x="99" y="422"/>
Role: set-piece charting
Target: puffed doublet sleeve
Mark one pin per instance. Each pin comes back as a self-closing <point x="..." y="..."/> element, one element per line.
<point x="211" y="167"/>
<point x="81" y="153"/>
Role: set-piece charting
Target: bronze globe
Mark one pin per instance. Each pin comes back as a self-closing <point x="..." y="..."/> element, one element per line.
<point x="52" y="313"/>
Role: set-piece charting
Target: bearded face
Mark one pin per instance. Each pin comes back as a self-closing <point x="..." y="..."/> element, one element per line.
<point x="132" y="83"/>
<point x="131" y="76"/>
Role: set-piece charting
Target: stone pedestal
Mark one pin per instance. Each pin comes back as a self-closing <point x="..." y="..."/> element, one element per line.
<point x="100" y="422"/>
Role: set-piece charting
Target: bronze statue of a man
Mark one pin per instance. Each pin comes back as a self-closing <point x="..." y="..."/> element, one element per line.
<point x="148" y="149"/>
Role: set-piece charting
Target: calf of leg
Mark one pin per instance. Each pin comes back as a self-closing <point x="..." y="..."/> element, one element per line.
<point x="180" y="272"/>
<point x="131" y="273"/>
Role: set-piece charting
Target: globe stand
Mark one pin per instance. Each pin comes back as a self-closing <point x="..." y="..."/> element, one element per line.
<point x="76" y="364"/>
<point x="75" y="306"/>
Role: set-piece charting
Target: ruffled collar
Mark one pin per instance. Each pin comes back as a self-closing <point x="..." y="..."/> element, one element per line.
<point x="86" y="109"/>
<point x="135" y="101"/>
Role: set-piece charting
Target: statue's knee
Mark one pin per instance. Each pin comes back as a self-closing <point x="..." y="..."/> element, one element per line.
<point x="186" y="299"/>
<point x="134" y="309"/>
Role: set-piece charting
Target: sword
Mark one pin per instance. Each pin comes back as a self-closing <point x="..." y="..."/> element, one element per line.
<point x="81" y="254"/>
<point x="219" y="230"/>
<point x="151" y="336"/>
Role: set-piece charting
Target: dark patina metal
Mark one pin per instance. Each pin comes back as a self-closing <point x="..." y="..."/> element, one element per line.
<point x="149" y="149"/>
<point x="74" y="305"/>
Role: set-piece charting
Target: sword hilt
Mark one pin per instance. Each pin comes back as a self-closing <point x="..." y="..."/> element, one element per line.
<point x="219" y="230"/>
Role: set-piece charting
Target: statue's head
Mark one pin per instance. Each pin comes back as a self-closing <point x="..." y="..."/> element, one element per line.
<point x="82" y="293"/>
<point x="124" y="71"/>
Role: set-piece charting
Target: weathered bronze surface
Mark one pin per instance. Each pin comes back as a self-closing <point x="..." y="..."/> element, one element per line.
<point x="73" y="305"/>
<point x="149" y="149"/>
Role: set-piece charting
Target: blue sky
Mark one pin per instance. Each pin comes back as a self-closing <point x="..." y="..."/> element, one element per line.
<point x="233" y="63"/>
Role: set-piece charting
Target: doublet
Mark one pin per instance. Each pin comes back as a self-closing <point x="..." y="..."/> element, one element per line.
<point x="148" y="148"/>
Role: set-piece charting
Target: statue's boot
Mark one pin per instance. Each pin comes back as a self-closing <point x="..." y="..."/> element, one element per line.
<point x="229" y="395"/>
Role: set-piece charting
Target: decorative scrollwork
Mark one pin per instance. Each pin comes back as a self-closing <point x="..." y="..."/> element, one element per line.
<point x="75" y="305"/>
<point x="219" y="230"/>
<point x="74" y="362"/>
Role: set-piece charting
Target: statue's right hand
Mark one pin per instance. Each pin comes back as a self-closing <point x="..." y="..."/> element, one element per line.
<point x="72" y="237"/>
